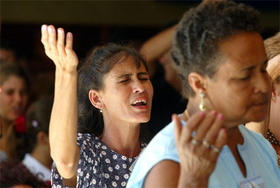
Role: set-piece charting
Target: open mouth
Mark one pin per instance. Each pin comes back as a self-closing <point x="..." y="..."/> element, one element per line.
<point x="139" y="103"/>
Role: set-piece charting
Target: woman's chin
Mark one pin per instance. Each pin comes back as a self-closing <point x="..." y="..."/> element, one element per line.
<point x="258" y="117"/>
<point x="143" y="119"/>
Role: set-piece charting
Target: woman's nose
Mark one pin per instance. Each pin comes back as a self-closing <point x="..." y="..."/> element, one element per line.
<point x="263" y="84"/>
<point x="18" y="97"/>
<point x="138" y="87"/>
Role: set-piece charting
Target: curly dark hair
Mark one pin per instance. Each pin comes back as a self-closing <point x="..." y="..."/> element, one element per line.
<point x="91" y="73"/>
<point x="196" y="40"/>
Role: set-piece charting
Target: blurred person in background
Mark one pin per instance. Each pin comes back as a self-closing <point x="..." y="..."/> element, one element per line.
<point x="13" y="103"/>
<point x="7" y="53"/>
<point x="38" y="159"/>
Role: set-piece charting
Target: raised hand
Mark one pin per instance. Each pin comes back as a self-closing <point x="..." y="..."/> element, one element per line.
<point x="58" y="50"/>
<point x="199" y="153"/>
<point x="64" y="119"/>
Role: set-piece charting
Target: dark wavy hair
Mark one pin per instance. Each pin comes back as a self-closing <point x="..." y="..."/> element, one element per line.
<point x="91" y="74"/>
<point x="196" y="40"/>
<point x="8" y="69"/>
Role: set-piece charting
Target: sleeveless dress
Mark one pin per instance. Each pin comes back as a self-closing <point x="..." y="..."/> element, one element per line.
<point x="99" y="166"/>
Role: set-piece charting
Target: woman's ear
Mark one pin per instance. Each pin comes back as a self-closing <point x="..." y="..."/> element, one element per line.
<point x="197" y="82"/>
<point x="95" y="99"/>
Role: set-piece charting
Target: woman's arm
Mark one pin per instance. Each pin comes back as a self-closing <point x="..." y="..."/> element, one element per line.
<point x="64" y="117"/>
<point x="156" y="46"/>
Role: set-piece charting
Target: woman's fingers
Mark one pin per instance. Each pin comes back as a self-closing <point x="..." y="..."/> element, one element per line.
<point x="44" y="36"/>
<point x="184" y="134"/>
<point x="192" y="124"/>
<point x="210" y="134"/>
<point x="205" y="125"/>
<point x="214" y="129"/>
<point x="60" y="41"/>
<point x="69" y="42"/>
<point x="59" y="49"/>
<point x="177" y="128"/>
<point x="52" y="38"/>
<point x="219" y="143"/>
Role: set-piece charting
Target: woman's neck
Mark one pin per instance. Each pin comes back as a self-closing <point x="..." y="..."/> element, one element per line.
<point x="122" y="137"/>
<point x="234" y="137"/>
<point x="43" y="156"/>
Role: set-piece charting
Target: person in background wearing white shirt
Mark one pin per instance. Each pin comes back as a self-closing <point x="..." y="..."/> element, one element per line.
<point x="38" y="159"/>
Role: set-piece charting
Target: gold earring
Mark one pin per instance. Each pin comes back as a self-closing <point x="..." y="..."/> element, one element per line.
<point x="202" y="106"/>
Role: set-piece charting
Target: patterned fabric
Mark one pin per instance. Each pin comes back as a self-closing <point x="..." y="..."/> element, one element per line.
<point x="275" y="143"/>
<point x="271" y="138"/>
<point x="99" y="166"/>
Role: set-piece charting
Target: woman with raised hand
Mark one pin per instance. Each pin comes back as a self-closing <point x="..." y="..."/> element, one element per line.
<point x="113" y="97"/>
<point x="220" y="56"/>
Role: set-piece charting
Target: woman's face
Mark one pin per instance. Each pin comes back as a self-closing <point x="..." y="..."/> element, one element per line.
<point x="13" y="98"/>
<point x="241" y="87"/>
<point x="127" y="93"/>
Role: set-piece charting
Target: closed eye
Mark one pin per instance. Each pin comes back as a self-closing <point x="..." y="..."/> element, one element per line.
<point x="245" y="78"/>
<point x="143" y="76"/>
<point x="124" y="80"/>
<point x="147" y="78"/>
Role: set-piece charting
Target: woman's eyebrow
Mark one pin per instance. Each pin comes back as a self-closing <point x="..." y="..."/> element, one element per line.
<point x="123" y="75"/>
<point x="142" y="73"/>
<point x="250" y="68"/>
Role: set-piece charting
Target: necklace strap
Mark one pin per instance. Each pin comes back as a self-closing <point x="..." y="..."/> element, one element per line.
<point x="271" y="138"/>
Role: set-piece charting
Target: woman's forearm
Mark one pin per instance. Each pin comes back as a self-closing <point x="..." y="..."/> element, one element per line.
<point x="63" y="124"/>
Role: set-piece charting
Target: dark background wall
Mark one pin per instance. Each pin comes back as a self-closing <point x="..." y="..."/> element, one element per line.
<point x="98" y="21"/>
<point x="94" y="21"/>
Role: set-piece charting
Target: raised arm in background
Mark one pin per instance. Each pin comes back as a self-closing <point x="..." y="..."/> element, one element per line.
<point x="64" y="117"/>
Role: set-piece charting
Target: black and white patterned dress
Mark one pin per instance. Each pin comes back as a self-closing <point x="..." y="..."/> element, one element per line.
<point x="99" y="166"/>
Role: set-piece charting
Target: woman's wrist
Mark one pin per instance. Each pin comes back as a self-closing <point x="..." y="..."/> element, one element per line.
<point x="187" y="179"/>
<point x="64" y="72"/>
<point x="65" y="79"/>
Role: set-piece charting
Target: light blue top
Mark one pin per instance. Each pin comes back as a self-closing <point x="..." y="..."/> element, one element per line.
<point x="257" y="153"/>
